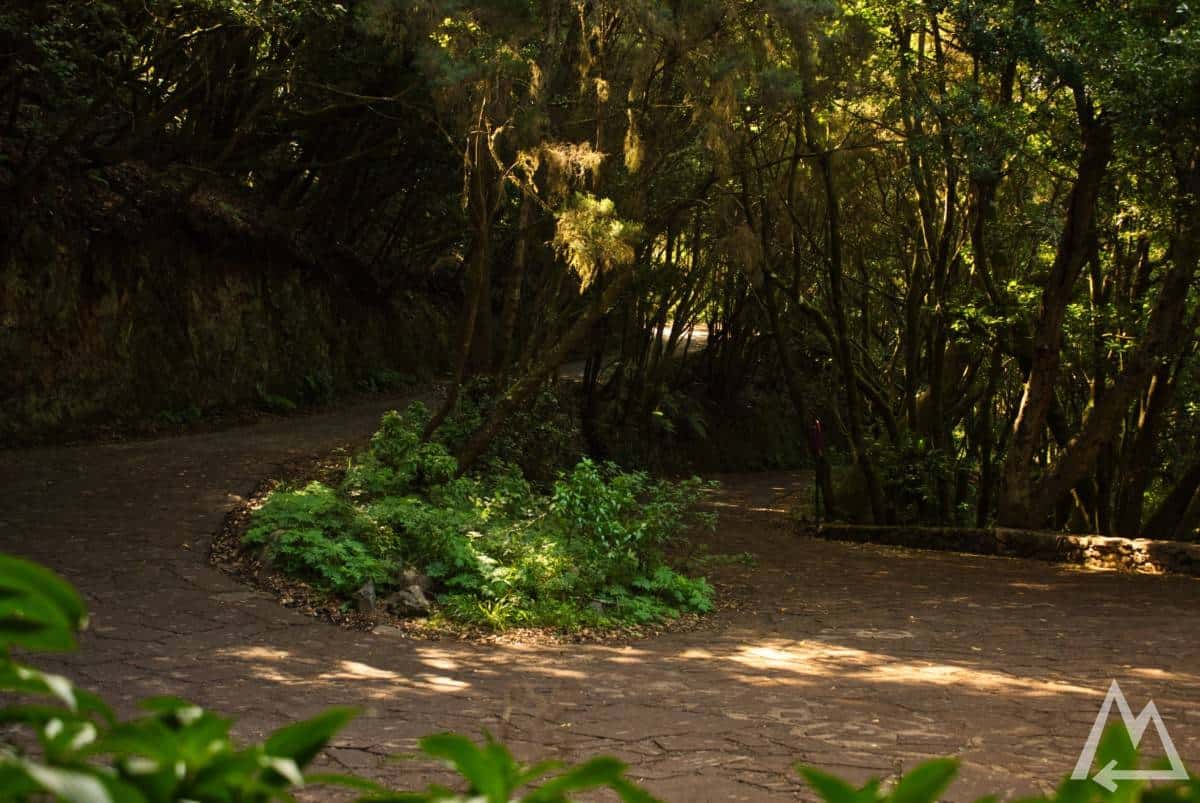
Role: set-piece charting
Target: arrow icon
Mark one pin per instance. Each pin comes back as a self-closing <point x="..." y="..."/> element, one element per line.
<point x="1108" y="776"/>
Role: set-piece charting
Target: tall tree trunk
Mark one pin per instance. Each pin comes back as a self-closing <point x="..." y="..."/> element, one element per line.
<point x="1132" y="495"/>
<point x="837" y="299"/>
<point x="507" y="352"/>
<point x="791" y="376"/>
<point x="985" y="437"/>
<point x="1164" y="339"/>
<point x="1018" y="505"/>
<point x="480" y="207"/>
<point x="1167" y="518"/>
<point x="523" y="389"/>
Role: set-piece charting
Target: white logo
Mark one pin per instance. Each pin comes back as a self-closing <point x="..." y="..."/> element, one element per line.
<point x="1109" y="774"/>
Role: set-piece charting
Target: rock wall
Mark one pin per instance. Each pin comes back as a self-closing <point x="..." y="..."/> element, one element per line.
<point x="165" y="303"/>
<point x="1093" y="551"/>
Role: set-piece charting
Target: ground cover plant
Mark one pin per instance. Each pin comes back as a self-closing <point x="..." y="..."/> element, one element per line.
<point x="494" y="549"/>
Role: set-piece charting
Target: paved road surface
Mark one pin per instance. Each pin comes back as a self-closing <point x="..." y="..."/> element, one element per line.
<point x="858" y="659"/>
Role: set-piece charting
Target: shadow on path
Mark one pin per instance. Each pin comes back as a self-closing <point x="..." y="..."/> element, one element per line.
<point x="863" y="660"/>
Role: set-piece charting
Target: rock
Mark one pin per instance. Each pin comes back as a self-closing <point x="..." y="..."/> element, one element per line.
<point x="265" y="557"/>
<point x="411" y="577"/>
<point x="410" y="601"/>
<point x="364" y="598"/>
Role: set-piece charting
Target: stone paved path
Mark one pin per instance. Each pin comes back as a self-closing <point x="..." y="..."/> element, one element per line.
<point x="857" y="659"/>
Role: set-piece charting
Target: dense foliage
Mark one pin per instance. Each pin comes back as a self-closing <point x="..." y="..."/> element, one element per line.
<point x="963" y="234"/>
<point x="499" y="553"/>
<point x="73" y="749"/>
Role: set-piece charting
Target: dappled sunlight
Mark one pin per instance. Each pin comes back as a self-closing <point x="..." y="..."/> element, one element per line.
<point x="1151" y="673"/>
<point x="353" y="670"/>
<point x="746" y="508"/>
<point x="274" y="665"/>
<point x="442" y="683"/>
<point x="365" y="679"/>
<point x="438" y="659"/>
<point x="557" y="672"/>
<point x="697" y="653"/>
<point x="820" y="660"/>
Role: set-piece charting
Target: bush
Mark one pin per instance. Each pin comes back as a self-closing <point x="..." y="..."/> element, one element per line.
<point x="317" y="388"/>
<point x="313" y="534"/>
<point x="385" y="379"/>
<point x="911" y="473"/>
<point x="542" y="438"/>
<point x="590" y="552"/>
<point x="617" y="523"/>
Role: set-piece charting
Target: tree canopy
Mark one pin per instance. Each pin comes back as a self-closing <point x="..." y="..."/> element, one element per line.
<point x="967" y="232"/>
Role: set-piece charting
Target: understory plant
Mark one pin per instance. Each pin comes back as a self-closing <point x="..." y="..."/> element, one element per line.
<point x="588" y="550"/>
<point x="542" y="437"/>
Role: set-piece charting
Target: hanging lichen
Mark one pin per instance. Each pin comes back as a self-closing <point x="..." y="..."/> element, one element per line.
<point x="633" y="145"/>
<point x="590" y="237"/>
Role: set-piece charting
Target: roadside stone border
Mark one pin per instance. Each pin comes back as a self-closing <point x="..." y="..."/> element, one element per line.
<point x="1142" y="555"/>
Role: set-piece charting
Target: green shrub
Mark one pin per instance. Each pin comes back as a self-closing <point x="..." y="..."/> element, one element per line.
<point x="397" y="445"/>
<point x="398" y="463"/>
<point x="398" y="435"/>
<point x="315" y="535"/>
<point x="913" y="474"/>
<point x="385" y="379"/>
<point x="274" y="403"/>
<point x="500" y="555"/>
<point x="618" y="522"/>
<point x="543" y="437"/>
<point x="181" y="417"/>
<point x="317" y="388"/>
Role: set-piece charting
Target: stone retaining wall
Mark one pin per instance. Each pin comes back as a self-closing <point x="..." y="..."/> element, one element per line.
<point x="170" y="302"/>
<point x="1093" y="551"/>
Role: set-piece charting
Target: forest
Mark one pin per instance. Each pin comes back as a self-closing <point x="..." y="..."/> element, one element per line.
<point x="607" y="376"/>
<point x="965" y="235"/>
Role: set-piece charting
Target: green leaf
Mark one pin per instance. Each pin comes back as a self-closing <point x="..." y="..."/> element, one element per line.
<point x="39" y="611"/>
<point x="471" y="763"/>
<point x="88" y="703"/>
<point x="346" y="782"/>
<point x="302" y="741"/>
<point x="531" y="774"/>
<point x="1076" y="791"/>
<point x="68" y="785"/>
<point x="1117" y="746"/>
<point x="601" y="771"/>
<point x="27" y="680"/>
<point x="926" y="782"/>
